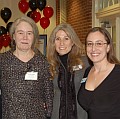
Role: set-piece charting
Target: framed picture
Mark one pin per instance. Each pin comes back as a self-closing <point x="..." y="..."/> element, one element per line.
<point x="42" y="44"/>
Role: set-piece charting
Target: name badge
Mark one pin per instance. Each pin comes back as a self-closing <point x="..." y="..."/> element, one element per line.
<point x="83" y="80"/>
<point x="31" y="75"/>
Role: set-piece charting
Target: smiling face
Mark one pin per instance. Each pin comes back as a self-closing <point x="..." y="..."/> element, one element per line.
<point x="97" y="47"/>
<point x="63" y="43"/>
<point x="23" y="36"/>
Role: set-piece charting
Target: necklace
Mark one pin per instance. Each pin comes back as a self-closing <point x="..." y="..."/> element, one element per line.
<point x="101" y="70"/>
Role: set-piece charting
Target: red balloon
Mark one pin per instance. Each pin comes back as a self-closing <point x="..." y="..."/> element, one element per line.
<point x="23" y="6"/>
<point x="35" y="15"/>
<point x="1" y="42"/>
<point x="44" y="22"/>
<point x="6" y="40"/>
<point x="48" y="12"/>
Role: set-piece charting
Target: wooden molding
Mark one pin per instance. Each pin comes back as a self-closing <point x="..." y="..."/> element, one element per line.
<point x="109" y="11"/>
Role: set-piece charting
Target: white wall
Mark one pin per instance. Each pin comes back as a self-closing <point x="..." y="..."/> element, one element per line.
<point x="13" y="6"/>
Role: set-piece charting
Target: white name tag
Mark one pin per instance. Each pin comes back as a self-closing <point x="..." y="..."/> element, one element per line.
<point x="78" y="67"/>
<point x="31" y="75"/>
<point x="83" y="80"/>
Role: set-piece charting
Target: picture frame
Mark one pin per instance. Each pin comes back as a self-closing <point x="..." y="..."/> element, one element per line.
<point x="42" y="43"/>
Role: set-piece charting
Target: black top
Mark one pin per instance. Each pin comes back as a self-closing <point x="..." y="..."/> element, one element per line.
<point x="104" y="101"/>
<point x="68" y="108"/>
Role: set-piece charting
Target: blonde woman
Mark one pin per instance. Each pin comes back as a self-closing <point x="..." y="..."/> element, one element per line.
<point x="67" y="67"/>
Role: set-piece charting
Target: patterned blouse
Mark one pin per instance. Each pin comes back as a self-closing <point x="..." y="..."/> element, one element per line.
<point x="21" y="98"/>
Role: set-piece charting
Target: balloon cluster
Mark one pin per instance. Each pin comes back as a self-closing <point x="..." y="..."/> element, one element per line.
<point x="34" y="13"/>
<point x="5" y="39"/>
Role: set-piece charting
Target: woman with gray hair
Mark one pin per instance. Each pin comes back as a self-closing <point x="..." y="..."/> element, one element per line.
<point x="27" y="91"/>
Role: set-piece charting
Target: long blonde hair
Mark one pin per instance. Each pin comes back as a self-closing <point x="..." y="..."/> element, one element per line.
<point x="74" y="55"/>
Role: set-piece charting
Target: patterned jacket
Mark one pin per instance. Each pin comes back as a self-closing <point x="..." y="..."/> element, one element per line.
<point x="21" y="98"/>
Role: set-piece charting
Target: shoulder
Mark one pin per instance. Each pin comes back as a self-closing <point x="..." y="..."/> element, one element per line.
<point x="87" y="71"/>
<point x="39" y="55"/>
<point x="40" y="58"/>
<point x="116" y="67"/>
<point x="5" y="55"/>
<point x="115" y="71"/>
<point x="84" y="59"/>
<point x="88" y="68"/>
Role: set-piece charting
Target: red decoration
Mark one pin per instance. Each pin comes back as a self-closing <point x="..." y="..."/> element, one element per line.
<point x="44" y="22"/>
<point x="35" y="15"/>
<point x="23" y="6"/>
<point x="5" y="40"/>
<point x="48" y="12"/>
<point x="1" y="42"/>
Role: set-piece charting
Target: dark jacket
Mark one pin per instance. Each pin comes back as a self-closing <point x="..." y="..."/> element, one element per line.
<point x="81" y="114"/>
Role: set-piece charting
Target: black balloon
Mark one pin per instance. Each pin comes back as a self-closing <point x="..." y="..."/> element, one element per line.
<point x="8" y="26"/>
<point x="6" y="14"/>
<point x="29" y="13"/>
<point x="41" y="4"/>
<point x="33" y="4"/>
<point x="3" y="30"/>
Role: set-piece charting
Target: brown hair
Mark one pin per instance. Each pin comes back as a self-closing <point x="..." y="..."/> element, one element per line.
<point x="111" y="54"/>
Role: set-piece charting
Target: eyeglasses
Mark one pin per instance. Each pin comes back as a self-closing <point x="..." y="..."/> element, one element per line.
<point x="97" y="44"/>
